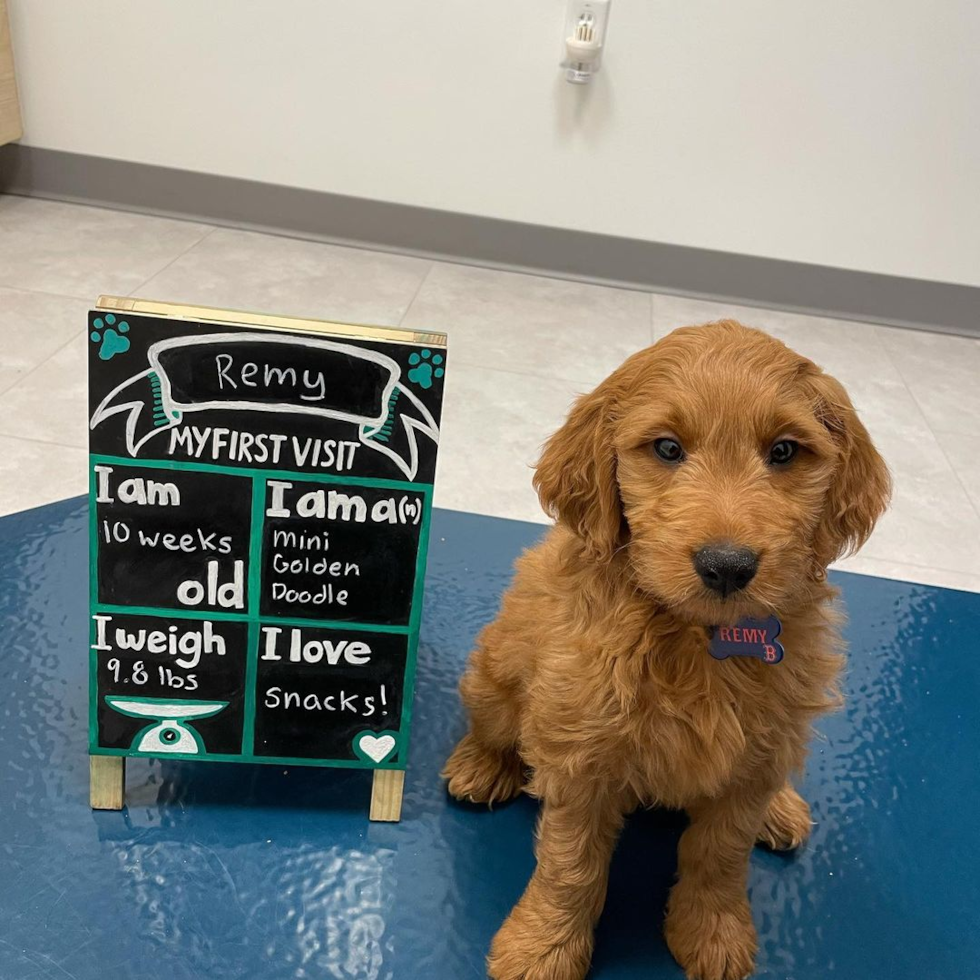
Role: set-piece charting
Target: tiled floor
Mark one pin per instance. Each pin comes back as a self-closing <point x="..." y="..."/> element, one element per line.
<point x="522" y="347"/>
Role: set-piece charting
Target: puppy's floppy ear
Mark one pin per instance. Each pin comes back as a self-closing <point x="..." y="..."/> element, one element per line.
<point x="576" y="476"/>
<point x="861" y="486"/>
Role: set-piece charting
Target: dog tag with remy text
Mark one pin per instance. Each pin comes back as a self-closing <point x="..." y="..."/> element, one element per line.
<point x="748" y="638"/>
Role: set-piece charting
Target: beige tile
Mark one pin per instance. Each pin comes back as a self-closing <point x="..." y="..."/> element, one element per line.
<point x="943" y="373"/>
<point x="931" y="523"/>
<point x="33" y="473"/>
<point x="522" y="347"/>
<point x="50" y="404"/>
<point x="897" y="426"/>
<point x="920" y="350"/>
<point x="962" y="449"/>
<point x="81" y="251"/>
<point x="243" y="270"/>
<point x="531" y="324"/>
<point x="671" y="312"/>
<point x="847" y="349"/>
<point x="943" y="578"/>
<point x="494" y="425"/>
<point x="32" y="327"/>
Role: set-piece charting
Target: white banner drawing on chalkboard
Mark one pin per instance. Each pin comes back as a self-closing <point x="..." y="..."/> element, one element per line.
<point x="194" y="374"/>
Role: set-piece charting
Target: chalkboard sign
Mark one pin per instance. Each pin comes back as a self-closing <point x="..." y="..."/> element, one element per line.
<point x="260" y="493"/>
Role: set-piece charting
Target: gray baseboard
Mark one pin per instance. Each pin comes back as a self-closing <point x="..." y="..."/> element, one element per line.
<point x="467" y="238"/>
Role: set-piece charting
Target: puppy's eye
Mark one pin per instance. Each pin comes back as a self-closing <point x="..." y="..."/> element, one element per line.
<point x="783" y="451"/>
<point x="669" y="450"/>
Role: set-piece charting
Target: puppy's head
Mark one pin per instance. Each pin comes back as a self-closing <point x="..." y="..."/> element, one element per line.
<point x="729" y="469"/>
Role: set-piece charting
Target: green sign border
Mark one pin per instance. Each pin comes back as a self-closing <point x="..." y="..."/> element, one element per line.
<point x="252" y="617"/>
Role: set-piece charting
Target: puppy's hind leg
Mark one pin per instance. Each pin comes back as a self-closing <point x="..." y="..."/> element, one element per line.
<point x="787" y="823"/>
<point x="485" y="766"/>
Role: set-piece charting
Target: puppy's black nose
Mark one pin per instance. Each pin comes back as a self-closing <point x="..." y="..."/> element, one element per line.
<point x="726" y="568"/>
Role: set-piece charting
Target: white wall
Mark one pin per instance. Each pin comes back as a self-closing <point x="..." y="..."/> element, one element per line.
<point x="842" y="133"/>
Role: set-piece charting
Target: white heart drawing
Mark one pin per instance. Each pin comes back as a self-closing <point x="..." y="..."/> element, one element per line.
<point x="375" y="748"/>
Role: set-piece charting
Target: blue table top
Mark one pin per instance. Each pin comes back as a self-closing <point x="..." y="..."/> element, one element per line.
<point x="262" y="872"/>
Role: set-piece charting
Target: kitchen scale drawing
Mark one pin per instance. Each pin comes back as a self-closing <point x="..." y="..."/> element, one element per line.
<point x="170" y="731"/>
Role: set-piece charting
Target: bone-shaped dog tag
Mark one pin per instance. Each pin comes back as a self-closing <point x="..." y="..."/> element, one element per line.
<point x="748" y="638"/>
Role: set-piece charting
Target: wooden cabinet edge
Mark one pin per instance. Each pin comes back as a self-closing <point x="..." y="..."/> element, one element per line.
<point x="11" y="127"/>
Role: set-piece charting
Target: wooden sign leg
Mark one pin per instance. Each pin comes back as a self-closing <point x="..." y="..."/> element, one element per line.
<point x="386" y="794"/>
<point x="107" y="782"/>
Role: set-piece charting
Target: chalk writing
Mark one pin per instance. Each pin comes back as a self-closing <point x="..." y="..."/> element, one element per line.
<point x="259" y="504"/>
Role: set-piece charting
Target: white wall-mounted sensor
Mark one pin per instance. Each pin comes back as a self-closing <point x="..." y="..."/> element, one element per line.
<point x="585" y="35"/>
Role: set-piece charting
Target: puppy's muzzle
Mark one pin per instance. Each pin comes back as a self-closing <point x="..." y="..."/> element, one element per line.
<point x="726" y="568"/>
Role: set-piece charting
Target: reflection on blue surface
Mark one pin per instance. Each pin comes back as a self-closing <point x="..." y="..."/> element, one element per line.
<point x="262" y="872"/>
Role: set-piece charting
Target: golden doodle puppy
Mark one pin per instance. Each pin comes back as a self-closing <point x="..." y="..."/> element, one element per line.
<point x="700" y="493"/>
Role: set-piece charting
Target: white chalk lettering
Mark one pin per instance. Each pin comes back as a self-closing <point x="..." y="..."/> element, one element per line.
<point x="185" y="646"/>
<point x="313" y="566"/>
<point x="226" y="444"/>
<point x="334" y="505"/>
<point x="278" y="508"/>
<point x="326" y="595"/>
<point x="230" y="595"/>
<point x="312" y="384"/>
<point x="356" y="653"/>
<point x="341" y="702"/>
<point x="136" y="490"/>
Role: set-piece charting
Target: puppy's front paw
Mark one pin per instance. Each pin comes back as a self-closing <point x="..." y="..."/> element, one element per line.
<point x="528" y="948"/>
<point x="480" y="775"/>
<point x="787" y="824"/>
<point x="711" y="944"/>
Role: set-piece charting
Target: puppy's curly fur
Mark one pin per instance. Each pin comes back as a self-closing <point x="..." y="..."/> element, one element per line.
<point x="596" y="679"/>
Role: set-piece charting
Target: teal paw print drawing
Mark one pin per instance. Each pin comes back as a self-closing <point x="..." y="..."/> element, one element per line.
<point x="426" y="367"/>
<point x="110" y="336"/>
